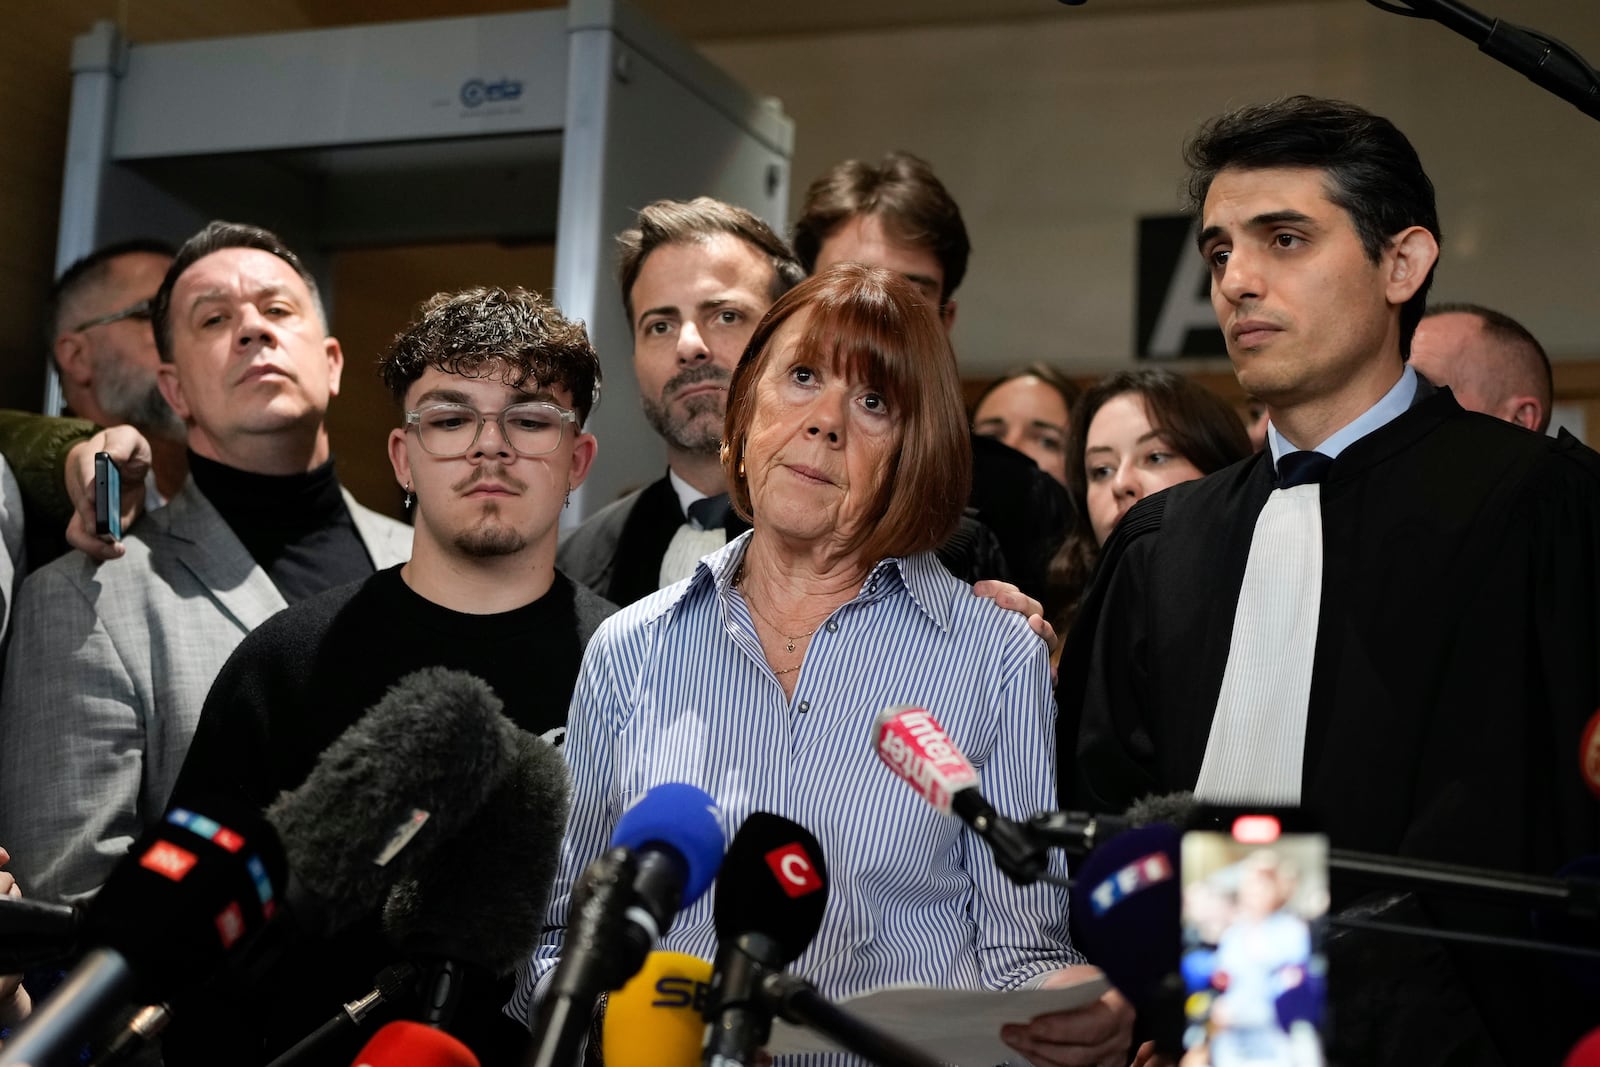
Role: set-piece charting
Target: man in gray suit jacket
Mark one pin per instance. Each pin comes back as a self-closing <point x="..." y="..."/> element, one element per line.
<point x="110" y="662"/>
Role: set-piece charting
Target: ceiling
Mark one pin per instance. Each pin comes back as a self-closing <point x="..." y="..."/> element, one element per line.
<point x="712" y="19"/>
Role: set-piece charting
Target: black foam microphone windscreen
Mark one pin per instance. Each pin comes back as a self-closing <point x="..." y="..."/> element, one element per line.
<point x="1181" y="810"/>
<point x="35" y="932"/>
<point x="196" y="890"/>
<point x="480" y="900"/>
<point x="407" y="776"/>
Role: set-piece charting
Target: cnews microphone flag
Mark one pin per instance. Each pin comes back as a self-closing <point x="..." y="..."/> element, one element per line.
<point x="654" y="1021"/>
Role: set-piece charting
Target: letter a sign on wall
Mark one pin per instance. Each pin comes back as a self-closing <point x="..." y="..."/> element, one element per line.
<point x="1175" y="316"/>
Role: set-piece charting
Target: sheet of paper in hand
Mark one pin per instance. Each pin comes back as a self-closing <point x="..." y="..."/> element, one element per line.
<point x="956" y="1026"/>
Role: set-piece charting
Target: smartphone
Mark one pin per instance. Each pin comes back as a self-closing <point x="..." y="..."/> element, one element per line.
<point x="107" y="497"/>
<point x="1255" y="901"/>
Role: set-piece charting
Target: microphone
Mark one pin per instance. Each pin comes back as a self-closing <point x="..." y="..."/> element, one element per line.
<point x="391" y="983"/>
<point x="403" y="1043"/>
<point x="195" y="890"/>
<point x="34" y="933"/>
<point x="480" y="901"/>
<point x="404" y="777"/>
<point x="797" y="1001"/>
<point x="654" y="1021"/>
<point x="664" y="853"/>
<point x="147" y="1024"/>
<point x="914" y="746"/>
<point x="771" y="895"/>
<point x="1079" y="833"/>
<point x="1586" y="1053"/>
<point x="1124" y="914"/>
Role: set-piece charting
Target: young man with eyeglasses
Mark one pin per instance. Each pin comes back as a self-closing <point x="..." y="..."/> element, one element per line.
<point x="109" y="665"/>
<point x="494" y="387"/>
<point x="98" y="317"/>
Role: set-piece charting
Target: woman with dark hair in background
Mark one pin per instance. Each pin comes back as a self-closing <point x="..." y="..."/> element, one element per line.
<point x="1134" y="433"/>
<point x="1029" y="409"/>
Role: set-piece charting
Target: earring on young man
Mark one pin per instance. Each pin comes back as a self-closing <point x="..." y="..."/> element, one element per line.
<point x="410" y="496"/>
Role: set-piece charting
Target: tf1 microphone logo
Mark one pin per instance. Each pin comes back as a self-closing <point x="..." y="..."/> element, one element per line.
<point x="476" y="91"/>
<point x="796" y="874"/>
<point x="1140" y="874"/>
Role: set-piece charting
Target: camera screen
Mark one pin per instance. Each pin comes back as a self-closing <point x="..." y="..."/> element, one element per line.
<point x="1254" y="974"/>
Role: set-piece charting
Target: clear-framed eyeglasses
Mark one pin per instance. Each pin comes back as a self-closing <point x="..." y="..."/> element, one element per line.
<point x="534" y="428"/>
<point x="140" y="311"/>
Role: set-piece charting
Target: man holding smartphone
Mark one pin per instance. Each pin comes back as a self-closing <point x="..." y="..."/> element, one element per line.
<point x="109" y="665"/>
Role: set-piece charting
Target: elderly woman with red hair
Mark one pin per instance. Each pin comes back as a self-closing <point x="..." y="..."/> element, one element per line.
<point x="759" y="677"/>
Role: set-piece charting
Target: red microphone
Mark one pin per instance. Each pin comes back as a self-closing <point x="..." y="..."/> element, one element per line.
<point x="403" y="1043"/>
<point x="1586" y="1053"/>
<point x="916" y="748"/>
<point x="1589" y="754"/>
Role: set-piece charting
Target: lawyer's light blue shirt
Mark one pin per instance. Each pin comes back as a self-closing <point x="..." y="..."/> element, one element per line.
<point x="1393" y="404"/>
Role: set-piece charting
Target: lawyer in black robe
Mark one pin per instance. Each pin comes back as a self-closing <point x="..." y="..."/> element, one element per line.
<point x="1456" y="656"/>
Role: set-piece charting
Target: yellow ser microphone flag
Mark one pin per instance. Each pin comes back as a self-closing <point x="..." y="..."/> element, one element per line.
<point x="654" y="1020"/>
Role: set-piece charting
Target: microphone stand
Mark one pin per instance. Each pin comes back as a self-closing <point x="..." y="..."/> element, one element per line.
<point x="1465" y="937"/>
<point x="1575" y="897"/>
<point x="797" y="1001"/>
<point x="1077" y="833"/>
<point x="1545" y="61"/>
<point x="390" y="983"/>
<point x="589" y="964"/>
<point x="1019" y="851"/>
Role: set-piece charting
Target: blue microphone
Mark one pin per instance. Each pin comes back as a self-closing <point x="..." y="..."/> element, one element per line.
<point x="1126" y="905"/>
<point x="664" y="854"/>
<point x="676" y="837"/>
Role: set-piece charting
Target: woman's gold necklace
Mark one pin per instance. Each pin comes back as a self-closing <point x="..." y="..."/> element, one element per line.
<point x="738" y="583"/>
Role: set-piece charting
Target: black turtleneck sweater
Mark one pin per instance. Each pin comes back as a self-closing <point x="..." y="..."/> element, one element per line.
<point x="295" y="526"/>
